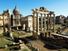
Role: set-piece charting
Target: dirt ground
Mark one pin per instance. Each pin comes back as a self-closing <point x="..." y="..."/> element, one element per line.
<point x="40" y="46"/>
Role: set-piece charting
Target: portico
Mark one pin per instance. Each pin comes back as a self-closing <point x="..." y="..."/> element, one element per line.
<point x="43" y="20"/>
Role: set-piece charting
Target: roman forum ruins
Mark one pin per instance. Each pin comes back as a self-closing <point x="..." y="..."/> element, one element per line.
<point x="43" y="21"/>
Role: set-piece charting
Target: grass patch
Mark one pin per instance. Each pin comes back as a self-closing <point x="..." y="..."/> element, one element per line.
<point x="15" y="34"/>
<point x="20" y="34"/>
<point x="4" y="42"/>
<point x="63" y="49"/>
<point x="25" y="50"/>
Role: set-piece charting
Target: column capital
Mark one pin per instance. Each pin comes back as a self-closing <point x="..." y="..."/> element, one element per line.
<point x="33" y="12"/>
<point x="45" y="15"/>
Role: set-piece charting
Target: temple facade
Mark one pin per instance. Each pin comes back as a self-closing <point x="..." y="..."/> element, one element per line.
<point x="43" y="20"/>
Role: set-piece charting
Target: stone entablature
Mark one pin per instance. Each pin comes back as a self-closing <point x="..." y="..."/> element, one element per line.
<point x="46" y="17"/>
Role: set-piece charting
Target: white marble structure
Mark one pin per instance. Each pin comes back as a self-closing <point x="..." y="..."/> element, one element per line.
<point x="42" y="19"/>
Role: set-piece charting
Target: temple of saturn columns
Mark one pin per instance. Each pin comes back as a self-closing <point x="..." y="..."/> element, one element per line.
<point x="43" y="21"/>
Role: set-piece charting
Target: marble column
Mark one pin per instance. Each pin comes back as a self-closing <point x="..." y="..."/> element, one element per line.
<point x="37" y="24"/>
<point x="44" y="22"/>
<point x="54" y="23"/>
<point x="33" y="23"/>
<point x="23" y="27"/>
<point x="47" y="22"/>
<point x="41" y="23"/>
<point x="50" y="22"/>
<point x="17" y="28"/>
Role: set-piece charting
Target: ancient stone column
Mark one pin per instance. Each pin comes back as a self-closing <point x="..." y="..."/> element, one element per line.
<point x="44" y="22"/>
<point x="23" y="27"/>
<point x="17" y="28"/>
<point x="33" y="22"/>
<point x="37" y="24"/>
<point x="3" y="24"/>
<point x="54" y="23"/>
<point x="41" y="23"/>
<point x="47" y="22"/>
<point x="50" y="22"/>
